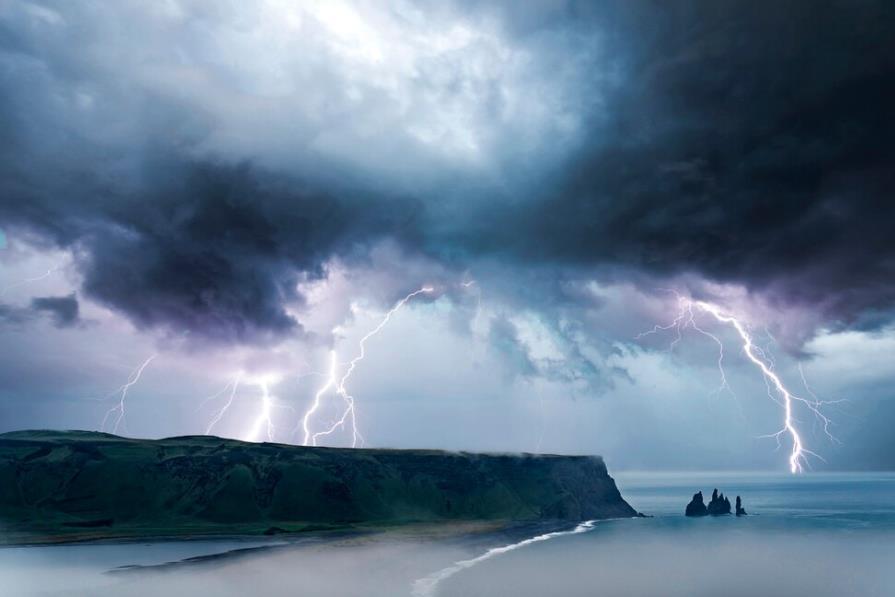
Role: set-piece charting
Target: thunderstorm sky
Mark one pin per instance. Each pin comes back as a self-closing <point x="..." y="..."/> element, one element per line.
<point x="239" y="188"/>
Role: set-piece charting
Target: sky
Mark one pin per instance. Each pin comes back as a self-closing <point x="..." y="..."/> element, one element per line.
<point x="207" y="207"/>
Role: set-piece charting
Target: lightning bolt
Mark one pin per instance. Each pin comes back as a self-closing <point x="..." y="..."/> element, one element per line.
<point x="684" y="319"/>
<point x="233" y="386"/>
<point x="315" y="405"/>
<point x="32" y="279"/>
<point x="349" y="413"/>
<point x="764" y="363"/>
<point x="118" y="411"/>
<point x="818" y="402"/>
<point x="262" y="425"/>
<point x="264" y="419"/>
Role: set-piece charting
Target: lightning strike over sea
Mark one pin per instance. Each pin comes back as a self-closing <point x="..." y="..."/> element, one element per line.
<point x="686" y="318"/>
<point x="455" y="216"/>
<point x="349" y="413"/>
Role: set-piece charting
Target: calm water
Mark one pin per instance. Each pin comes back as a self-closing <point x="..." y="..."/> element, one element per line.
<point x="811" y="535"/>
<point x="816" y="535"/>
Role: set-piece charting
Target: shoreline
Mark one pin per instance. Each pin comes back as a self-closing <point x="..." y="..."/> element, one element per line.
<point x="396" y="557"/>
<point x="855" y="521"/>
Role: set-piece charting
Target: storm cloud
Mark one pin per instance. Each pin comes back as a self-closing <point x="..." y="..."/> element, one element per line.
<point x="748" y="144"/>
<point x="63" y="309"/>
<point x="202" y="160"/>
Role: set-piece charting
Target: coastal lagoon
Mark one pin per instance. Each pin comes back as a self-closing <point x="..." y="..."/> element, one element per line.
<point x="821" y="534"/>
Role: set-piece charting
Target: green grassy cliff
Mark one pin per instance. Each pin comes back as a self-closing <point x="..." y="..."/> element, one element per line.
<point x="72" y="485"/>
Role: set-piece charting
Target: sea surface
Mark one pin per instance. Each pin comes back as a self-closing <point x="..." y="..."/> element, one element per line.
<point x="813" y="535"/>
<point x="808" y="535"/>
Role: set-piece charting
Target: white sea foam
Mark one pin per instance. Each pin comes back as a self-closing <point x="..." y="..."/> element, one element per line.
<point x="426" y="586"/>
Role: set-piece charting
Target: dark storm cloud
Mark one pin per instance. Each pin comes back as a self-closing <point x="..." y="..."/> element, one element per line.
<point x="219" y="253"/>
<point x="738" y="141"/>
<point x="210" y="250"/>
<point x="63" y="309"/>
<point x="747" y="143"/>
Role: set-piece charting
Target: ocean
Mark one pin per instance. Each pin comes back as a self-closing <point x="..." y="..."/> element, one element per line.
<point x="813" y="535"/>
<point x="806" y="535"/>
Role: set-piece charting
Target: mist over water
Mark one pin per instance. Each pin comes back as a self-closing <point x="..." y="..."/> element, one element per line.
<point x="813" y="536"/>
<point x="380" y="568"/>
<point x="644" y="561"/>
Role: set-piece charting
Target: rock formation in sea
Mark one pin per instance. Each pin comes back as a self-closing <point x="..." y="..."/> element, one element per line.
<point x="718" y="505"/>
<point x="696" y="507"/>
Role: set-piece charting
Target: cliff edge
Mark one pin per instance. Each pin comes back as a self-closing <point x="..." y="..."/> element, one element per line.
<point x="70" y="485"/>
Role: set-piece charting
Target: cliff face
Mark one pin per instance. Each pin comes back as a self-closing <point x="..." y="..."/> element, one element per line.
<point x="82" y="483"/>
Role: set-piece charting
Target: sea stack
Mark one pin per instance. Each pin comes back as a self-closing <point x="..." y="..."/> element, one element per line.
<point x="696" y="507"/>
<point x="719" y="504"/>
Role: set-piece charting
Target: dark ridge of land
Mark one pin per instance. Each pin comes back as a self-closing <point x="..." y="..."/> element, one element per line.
<point x="59" y="486"/>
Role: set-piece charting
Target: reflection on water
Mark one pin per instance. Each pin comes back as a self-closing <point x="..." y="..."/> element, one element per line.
<point x="817" y="535"/>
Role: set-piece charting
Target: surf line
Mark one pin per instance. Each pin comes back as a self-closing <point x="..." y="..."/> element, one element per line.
<point x="425" y="587"/>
